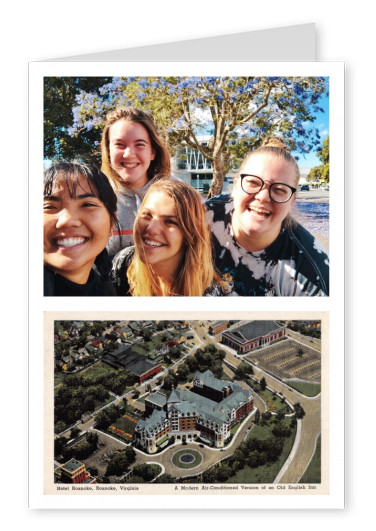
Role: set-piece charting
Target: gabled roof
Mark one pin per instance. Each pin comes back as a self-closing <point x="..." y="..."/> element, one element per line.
<point x="253" y="330"/>
<point x="208" y="379"/>
<point x="193" y="404"/>
<point x="152" y="423"/>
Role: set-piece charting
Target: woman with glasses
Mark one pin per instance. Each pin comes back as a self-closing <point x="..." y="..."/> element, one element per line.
<point x="259" y="248"/>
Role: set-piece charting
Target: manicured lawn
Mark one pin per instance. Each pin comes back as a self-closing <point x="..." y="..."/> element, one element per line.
<point x="307" y="389"/>
<point x="197" y="458"/>
<point x="125" y="425"/>
<point x="268" y="472"/>
<point x="313" y="472"/>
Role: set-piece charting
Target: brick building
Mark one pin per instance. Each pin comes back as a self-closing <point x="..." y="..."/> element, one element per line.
<point x="207" y="412"/>
<point x="253" y="335"/>
<point x="74" y="472"/>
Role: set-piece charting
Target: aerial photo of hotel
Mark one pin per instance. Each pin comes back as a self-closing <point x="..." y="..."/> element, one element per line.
<point x="229" y="402"/>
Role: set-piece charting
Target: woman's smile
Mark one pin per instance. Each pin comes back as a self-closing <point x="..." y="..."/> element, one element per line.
<point x="76" y="230"/>
<point x="257" y="219"/>
<point x="159" y="239"/>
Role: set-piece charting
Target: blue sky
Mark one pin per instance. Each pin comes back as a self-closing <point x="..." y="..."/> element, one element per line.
<point x="322" y="123"/>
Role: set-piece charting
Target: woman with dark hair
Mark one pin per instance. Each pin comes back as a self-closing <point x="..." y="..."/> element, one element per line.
<point x="133" y="157"/>
<point x="79" y="214"/>
<point x="260" y="249"/>
<point x="172" y="254"/>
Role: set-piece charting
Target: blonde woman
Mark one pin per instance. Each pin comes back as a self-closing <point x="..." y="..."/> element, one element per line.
<point x="172" y="255"/>
<point x="134" y="156"/>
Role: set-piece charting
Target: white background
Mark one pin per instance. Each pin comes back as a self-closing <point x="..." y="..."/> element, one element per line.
<point x="45" y="29"/>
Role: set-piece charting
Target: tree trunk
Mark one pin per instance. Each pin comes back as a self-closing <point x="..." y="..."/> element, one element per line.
<point x="220" y="167"/>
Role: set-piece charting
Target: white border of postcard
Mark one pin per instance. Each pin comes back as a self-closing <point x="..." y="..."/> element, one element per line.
<point x="334" y="304"/>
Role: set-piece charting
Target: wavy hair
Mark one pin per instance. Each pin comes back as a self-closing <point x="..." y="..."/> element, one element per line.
<point x="159" y="168"/>
<point x="196" y="272"/>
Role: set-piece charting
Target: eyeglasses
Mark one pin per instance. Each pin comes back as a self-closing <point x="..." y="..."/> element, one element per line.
<point x="279" y="192"/>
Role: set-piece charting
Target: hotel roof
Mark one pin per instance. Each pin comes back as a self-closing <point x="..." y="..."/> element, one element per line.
<point x="193" y="404"/>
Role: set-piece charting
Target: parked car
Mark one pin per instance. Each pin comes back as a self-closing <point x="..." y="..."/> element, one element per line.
<point x="304" y="188"/>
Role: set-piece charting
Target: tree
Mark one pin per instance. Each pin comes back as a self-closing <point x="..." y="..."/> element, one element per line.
<point x="146" y="334"/>
<point x="321" y="173"/>
<point x="280" y="430"/>
<point x="183" y="372"/>
<point x="60" y="426"/>
<point x="59" y="98"/>
<point x="102" y="420"/>
<point x="74" y="432"/>
<point x="118" y="464"/>
<point x="299" y="411"/>
<point x="300" y="352"/>
<point x="262" y="384"/>
<point x="165" y="478"/>
<point x="59" y="444"/>
<point x="235" y="111"/>
<point x="243" y="370"/>
<point x="146" y="472"/>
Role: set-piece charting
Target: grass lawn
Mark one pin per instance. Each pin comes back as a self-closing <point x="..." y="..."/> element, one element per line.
<point x="148" y="346"/>
<point x="197" y="458"/>
<point x="126" y="424"/>
<point x="98" y="369"/>
<point x="265" y="473"/>
<point x="313" y="472"/>
<point x="273" y="405"/>
<point x="307" y="389"/>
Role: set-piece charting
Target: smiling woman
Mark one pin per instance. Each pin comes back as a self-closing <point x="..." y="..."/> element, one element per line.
<point x="134" y="157"/>
<point x="259" y="249"/>
<point x="172" y="253"/>
<point x="79" y="213"/>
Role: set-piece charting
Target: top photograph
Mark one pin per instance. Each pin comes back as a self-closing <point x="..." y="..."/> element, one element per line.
<point x="186" y="186"/>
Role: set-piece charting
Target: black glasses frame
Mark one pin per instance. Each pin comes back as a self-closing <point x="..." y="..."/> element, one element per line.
<point x="242" y="175"/>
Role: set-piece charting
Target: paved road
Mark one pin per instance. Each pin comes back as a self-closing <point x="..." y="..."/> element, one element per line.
<point x="311" y="423"/>
<point x="316" y="196"/>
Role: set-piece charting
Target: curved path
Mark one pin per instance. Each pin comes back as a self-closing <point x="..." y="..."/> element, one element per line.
<point x="210" y="455"/>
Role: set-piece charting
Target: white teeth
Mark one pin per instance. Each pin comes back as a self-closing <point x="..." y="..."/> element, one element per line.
<point x="69" y="242"/>
<point x="130" y="165"/>
<point x="153" y="244"/>
<point x="260" y="211"/>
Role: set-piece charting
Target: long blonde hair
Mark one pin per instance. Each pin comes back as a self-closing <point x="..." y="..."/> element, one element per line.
<point x="196" y="272"/>
<point x="159" y="168"/>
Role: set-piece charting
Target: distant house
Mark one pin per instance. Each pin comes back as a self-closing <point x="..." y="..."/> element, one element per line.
<point x="208" y="412"/>
<point x="253" y="335"/>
